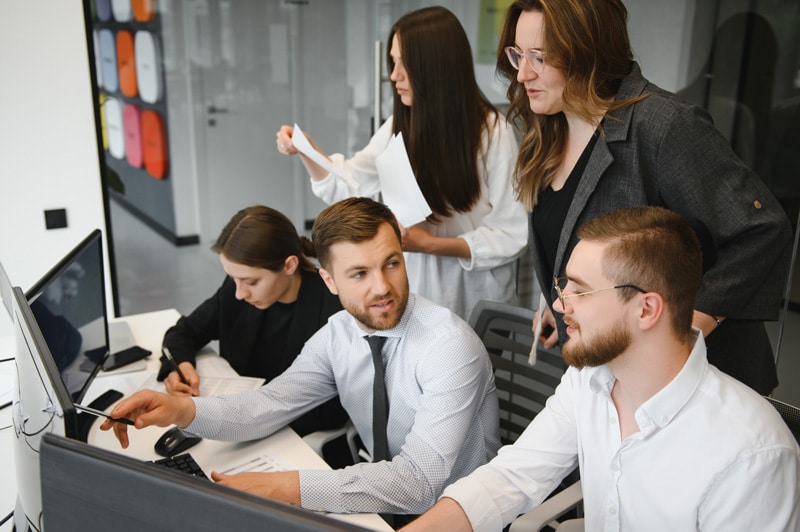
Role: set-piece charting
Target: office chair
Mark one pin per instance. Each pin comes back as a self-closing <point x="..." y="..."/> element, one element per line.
<point x="317" y="440"/>
<point x="790" y="415"/>
<point x="522" y="390"/>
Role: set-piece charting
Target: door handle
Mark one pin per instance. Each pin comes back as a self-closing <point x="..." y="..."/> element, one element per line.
<point x="213" y="110"/>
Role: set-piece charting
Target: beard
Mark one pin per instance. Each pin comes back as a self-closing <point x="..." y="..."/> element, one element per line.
<point x="383" y="320"/>
<point x="598" y="350"/>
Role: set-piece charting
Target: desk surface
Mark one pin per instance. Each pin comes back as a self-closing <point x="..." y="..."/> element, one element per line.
<point x="148" y="330"/>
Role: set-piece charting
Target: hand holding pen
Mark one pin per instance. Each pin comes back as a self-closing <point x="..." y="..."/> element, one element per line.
<point x="182" y="380"/>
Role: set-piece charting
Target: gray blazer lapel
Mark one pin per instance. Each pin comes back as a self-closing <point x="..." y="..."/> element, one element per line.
<point x="599" y="160"/>
<point x="615" y="128"/>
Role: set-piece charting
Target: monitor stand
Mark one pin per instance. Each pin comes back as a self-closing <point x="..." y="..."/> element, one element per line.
<point x="85" y="421"/>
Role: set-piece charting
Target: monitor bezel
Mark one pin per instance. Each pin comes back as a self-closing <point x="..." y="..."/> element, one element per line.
<point x="38" y="288"/>
<point x="81" y="491"/>
<point x="26" y="323"/>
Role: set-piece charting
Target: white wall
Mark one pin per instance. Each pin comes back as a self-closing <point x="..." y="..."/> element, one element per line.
<point x="660" y="34"/>
<point x="48" y="146"/>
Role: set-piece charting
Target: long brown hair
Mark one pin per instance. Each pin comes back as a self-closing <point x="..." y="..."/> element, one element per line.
<point x="443" y="128"/>
<point x="261" y="237"/>
<point x="588" y="41"/>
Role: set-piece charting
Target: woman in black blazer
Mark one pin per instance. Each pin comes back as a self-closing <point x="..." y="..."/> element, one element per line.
<point x="271" y="301"/>
<point x="599" y="137"/>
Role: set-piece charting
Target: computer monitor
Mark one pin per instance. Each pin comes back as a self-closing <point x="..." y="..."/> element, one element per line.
<point x="5" y="291"/>
<point x="86" y="488"/>
<point x="69" y="305"/>
<point x="41" y="405"/>
<point x="61" y="333"/>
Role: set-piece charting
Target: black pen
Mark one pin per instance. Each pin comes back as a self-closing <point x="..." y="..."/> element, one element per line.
<point x="100" y="413"/>
<point x="171" y="360"/>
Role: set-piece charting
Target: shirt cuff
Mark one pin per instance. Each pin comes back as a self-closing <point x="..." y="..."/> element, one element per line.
<point x="315" y="492"/>
<point x="204" y="414"/>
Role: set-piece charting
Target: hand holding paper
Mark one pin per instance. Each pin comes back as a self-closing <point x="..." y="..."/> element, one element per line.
<point x="301" y="142"/>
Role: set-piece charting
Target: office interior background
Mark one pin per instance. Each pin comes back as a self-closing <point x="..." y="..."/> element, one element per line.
<point x="233" y="71"/>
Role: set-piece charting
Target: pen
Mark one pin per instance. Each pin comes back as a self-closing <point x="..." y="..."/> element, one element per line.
<point x="5" y="405"/>
<point x="103" y="414"/>
<point x="174" y="364"/>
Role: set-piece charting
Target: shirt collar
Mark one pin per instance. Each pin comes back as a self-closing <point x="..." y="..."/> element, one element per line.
<point x="665" y="405"/>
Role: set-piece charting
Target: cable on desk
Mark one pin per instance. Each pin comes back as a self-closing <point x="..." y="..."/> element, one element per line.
<point x="6" y="518"/>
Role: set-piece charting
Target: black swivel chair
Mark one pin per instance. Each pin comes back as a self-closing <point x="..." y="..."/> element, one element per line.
<point x="522" y="390"/>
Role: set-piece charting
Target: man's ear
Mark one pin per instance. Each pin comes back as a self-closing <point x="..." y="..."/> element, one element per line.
<point x="290" y="264"/>
<point x="329" y="282"/>
<point x="651" y="311"/>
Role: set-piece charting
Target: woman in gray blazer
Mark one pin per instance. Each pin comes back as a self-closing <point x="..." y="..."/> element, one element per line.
<point x="598" y="137"/>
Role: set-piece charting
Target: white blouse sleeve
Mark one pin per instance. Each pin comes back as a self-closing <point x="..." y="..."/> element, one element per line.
<point x="359" y="170"/>
<point x="502" y="234"/>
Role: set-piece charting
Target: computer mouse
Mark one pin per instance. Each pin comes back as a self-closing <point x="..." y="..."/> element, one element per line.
<point x="175" y="441"/>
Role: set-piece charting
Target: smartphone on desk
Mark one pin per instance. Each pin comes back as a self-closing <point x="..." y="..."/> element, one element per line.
<point x="124" y="357"/>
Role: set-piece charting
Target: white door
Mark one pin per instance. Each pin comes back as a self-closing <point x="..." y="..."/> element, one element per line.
<point x="259" y="64"/>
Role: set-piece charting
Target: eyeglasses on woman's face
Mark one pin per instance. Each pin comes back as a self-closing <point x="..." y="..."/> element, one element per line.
<point x="534" y="57"/>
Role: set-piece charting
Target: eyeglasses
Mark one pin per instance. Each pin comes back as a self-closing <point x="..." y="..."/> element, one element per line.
<point x="534" y="57"/>
<point x="559" y="281"/>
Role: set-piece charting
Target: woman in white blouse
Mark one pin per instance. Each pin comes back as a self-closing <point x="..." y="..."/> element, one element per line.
<point x="462" y="152"/>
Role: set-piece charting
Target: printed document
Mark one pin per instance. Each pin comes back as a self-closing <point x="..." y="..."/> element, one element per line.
<point x="399" y="186"/>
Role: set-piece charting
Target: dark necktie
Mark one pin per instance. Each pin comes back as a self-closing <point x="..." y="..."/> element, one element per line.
<point x="380" y="403"/>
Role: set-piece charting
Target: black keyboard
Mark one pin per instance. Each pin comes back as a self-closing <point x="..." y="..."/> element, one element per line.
<point x="183" y="463"/>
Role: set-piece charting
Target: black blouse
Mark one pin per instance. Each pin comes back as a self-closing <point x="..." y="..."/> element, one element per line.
<point x="551" y="210"/>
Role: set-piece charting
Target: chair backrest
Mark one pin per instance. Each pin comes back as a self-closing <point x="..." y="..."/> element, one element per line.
<point x="522" y="389"/>
<point x="790" y="414"/>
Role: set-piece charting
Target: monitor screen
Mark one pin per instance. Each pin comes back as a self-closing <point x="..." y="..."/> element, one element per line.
<point x="69" y="304"/>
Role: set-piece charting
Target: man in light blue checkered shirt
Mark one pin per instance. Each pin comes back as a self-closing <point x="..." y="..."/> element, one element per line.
<point x="443" y="412"/>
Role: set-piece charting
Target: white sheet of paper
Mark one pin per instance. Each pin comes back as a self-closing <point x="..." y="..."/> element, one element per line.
<point x="260" y="463"/>
<point x="399" y="186"/>
<point x="300" y="141"/>
<point x="537" y="332"/>
<point x="212" y="386"/>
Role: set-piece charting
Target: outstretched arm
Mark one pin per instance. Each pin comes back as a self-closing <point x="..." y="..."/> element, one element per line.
<point x="445" y="515"/>
<point x="281" y="486"/>
<point x="286" y="147"/>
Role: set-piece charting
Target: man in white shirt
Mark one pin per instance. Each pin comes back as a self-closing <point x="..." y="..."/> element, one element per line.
<point x="663" y="440"/>
<point x="442" y="405"/>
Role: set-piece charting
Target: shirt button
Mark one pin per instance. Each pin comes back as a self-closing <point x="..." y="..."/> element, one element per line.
<point x="612" y="420"/>
<point x="612" y="511"/>
<point x="757" y="204"/>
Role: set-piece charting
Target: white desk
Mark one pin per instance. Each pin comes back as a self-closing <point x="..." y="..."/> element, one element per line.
<point x="148" y="330"/>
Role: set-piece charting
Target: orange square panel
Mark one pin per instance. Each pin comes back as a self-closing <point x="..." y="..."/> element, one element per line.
<point x="126" y="64"/>
<point x="154" y="144"/>
<point x="144" y="10"/>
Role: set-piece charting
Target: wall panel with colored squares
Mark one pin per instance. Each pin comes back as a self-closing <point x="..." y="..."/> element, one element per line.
<point x="132" y="98"/>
